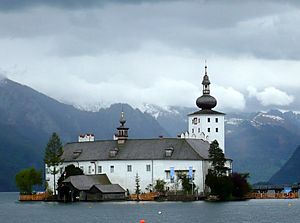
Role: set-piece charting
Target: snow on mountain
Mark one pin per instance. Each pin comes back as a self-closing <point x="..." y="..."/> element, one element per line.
<point x="234" y="121"/>
<point x="91" y="107"/>
<point x="263" y="118"/>
<point x="158" y="111"/>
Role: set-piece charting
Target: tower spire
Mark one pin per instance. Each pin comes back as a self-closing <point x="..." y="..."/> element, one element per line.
<point x="205" y="82"/>
<point x="122" y="130"/>
<point x="206" y="101"/>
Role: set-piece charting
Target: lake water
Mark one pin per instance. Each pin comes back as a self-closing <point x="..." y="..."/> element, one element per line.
<point x="258" y="211"/>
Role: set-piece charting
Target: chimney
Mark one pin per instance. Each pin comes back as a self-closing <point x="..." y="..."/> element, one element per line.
<point x="86" y="137"/>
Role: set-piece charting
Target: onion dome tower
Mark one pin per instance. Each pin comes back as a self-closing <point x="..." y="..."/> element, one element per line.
<point x="206" y="101"/>
<point x="206" y="123"/>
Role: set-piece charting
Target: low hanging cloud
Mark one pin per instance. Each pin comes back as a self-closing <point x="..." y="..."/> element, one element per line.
<point x="2" y="74"/>
<point x="229" y="98"/>
<point x="271" y="96"/>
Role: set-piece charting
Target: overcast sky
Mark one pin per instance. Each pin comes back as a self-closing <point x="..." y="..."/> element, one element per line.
<point x="90" y="53"/>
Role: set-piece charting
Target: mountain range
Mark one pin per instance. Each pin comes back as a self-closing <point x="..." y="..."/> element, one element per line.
<point x="28" y="119"/>
<point x="289" y="173"/>
<point x="259" y="143"/>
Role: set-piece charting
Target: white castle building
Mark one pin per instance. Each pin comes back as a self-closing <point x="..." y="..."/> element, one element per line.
<point x="206" y="123"/>
<point x="122" y="158"/>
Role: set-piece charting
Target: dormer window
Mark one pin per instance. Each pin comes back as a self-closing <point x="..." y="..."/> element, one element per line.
<point x="76" y="154"/>
<point x="169" y="151"/>
<point x="113" y="152"/>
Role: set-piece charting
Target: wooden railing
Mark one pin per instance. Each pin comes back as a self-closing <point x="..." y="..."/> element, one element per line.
<point x="291" y="195"/>
<point x="34" y="197"/>
<point x="144" y="197"/>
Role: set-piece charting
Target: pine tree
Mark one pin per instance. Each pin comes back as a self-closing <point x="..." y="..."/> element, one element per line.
<point x="219" y="183"/>
<point x="218" y="160"/>
<point x="53" y="153"/>
<point x="137" y="186"/>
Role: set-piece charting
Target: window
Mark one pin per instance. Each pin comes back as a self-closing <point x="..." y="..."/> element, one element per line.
<point x="61" y="170"/>
<point x="167" y="174"/>
<point x="217" y="120"/>
<point x="129" y="168"/>
<point x="112" y="169"/>
<point x="148" y="167"/>
<point x="194" y="121"/>
<point x="217" y="130"/>
<point x="198" y="130"/>
<point x="208" y="119"/>
<point x="208" y="129"/>
<point x="192" y="130"/>
<point x="99" y="169"/>
<point x="199" y="120"/>
<point x="90" y="169"/>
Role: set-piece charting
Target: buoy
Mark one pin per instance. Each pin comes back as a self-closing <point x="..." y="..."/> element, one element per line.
<point x="159" y="212"/>
<point x="290" y="204"/>
<point x="142" y="221"/>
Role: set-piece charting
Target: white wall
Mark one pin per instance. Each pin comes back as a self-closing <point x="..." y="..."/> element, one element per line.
<point x="200" y="129"/>
<point x="127" y="179"/>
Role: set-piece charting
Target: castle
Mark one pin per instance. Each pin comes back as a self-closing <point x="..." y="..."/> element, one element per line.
<point x="122" y="158"/>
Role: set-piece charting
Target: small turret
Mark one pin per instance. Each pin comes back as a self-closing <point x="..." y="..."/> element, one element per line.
<point x="122" y="134"/>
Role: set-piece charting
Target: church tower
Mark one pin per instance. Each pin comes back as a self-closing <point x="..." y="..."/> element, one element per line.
<point x="206" y="124"/>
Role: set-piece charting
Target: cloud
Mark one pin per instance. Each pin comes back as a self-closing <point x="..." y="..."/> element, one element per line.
<point x="198" y="26"/>
<point x="86" y="52"/>
<point x="271" y="96"/>
<point x="67" y="4"/>
<point x="3" y="74"/>
<point x="228" y="98"/>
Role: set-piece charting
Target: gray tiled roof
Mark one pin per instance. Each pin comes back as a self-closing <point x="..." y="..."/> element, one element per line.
<point x="112" y="188"/>
<point x="207" y="112"/>
<point x="137" y="149"/>
<point x="85" y="182"/>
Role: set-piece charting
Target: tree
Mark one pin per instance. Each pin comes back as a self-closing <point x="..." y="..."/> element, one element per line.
<point x="220" y="186"/>
<point x="219" y="183"/>
<point x="27" y="178"/>
<point x="70" y="170"/>
<point x="187" y="185"/>
<point x="218" y="159"/>
<point x="240" y="184"/>
<point x="137" y="186"/>
<point x="160" y="186"/>
<point x="53" y="153"/>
